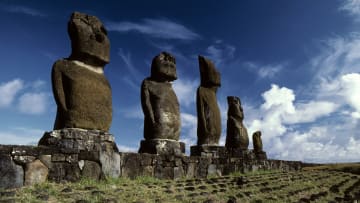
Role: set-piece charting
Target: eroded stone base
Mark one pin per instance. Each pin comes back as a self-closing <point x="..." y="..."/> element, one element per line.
<point x="260" y="155"/>
<point x="211" y="151"/>
<point x="162" y="147"/>
<point x="240" y="153"/>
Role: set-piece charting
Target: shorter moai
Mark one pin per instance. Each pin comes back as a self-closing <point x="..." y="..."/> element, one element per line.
<point x="161" y="109"/>
<point x="258" y="146"/>
<point x="209" y="119"/>
<point x="80" y="142"/>
<point x="237" y="139"/>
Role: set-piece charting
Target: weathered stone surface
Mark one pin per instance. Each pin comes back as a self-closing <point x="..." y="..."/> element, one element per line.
<point x="130" y="165"/>
<point x="12" y="175"/>
<point x="35" y="172"/>
<point x="110" y="163"/>
<point x="91" y="169"/>
<point x="258" y="146"/>
<point x="46" y="160"/>
<point x="89" y="41"/>
<point x="159" y="102"/>
<point x="162" y="146"/>
<point x="63" y="171"/>
<point x="209" y="120"/>
<point x="22" y="160"/>
<point x="75" y="140"/>
<point x="81" y="91"/>
<point x="211" y="151"/>
<point x="257" y="142"/>
<point x="236" y="132"/>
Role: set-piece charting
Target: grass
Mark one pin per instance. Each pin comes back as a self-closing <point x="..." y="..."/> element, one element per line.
<point x="260" y="186"/>
<point x="345" y="167"/>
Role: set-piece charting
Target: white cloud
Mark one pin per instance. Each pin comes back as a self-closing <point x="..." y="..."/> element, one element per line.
<point x="22" y="10"/>
<point x="185" y="90"/>
<point x="264" y="71"/>
<point x="158" y="28"/>
<point x="188" y="130"/>
<point x="352" y="7"/>
<point x="33" y="103"/>
<point x="9" y="90"/>
<point x="123" y="148"/>
<point x="220" y="53"/>
<point x="21" y="136"/>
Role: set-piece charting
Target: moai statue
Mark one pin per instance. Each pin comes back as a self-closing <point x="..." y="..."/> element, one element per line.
<point x="161" y="109"/>
<point x="81" y="90"/>
<point x="236" y="133"/>
<point x="209" y="120"/>
<point x="258" y="146"/>
<point x="84" y="104"/>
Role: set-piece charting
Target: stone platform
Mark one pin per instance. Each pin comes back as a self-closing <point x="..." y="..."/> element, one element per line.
<point x="71" y="154"/>
<point x="162" y="147"/>
<point x="212" y="151"/>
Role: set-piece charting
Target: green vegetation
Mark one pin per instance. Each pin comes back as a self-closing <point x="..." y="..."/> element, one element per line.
<point x="261" y="186"/>
<point x="344" y="167"/>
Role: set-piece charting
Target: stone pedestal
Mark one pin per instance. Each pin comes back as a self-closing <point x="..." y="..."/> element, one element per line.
<point x="240" y="153"/>
<point x="213" y="151"/>
<point x="162" y="147"/>
<point x="78" y="152"/>
<point x="261" y="155"/>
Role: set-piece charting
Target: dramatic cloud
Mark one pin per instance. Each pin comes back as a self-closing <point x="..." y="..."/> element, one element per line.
<point x="22" y="10"/>
<point x="33" y="103"/>
<point x="9" y="90"/>
<point x="158" y="28"/>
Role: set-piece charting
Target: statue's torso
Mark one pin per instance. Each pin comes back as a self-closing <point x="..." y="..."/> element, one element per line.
<point x="87" y="97"/>
<point x="165" y="107"/>
<point x="209" y="122"/>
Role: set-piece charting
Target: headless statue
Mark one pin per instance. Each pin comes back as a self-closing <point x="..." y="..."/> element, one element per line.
<point x="209" y="120"/>
<point x="81" y="91"/>
<point x="159" y="102"/>
<point x="236" y="132"/>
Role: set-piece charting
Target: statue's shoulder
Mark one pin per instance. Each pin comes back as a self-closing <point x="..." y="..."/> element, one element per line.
<point x="61" y="64"/>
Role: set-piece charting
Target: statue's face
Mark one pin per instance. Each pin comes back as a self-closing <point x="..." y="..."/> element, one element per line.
<point x="210" y="77"/>
<point x="163" y="67"/>
<point x="88" y="38"/>
<point x="236" y="104"/>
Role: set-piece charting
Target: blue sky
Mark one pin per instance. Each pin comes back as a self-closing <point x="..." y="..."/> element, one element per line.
<point x="294" y="64"/>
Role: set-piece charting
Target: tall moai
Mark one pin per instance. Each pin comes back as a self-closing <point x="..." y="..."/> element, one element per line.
<point x="236" y="132"/>
<point x="81" y="90"/>
<point x="258" y="146"/>
<point x="84" y="104"/>
<point x="161" y="109"/>
<point x="209" y="119"/>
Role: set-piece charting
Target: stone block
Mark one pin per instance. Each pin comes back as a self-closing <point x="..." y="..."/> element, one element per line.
<point x="211" y="151"/>
<point x="162" y="147"/>
<point x="110" y="163"/>
<point x="12" y="175"/>
<point x="22" y="160"/>
<point x="35" y="172"/>
<point x="91" y="169"/>
<point x="46" y="160"/>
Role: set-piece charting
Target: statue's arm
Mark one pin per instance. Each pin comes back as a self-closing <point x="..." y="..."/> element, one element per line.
<point x="145" y="101"/>
<point x="57" y="86"/>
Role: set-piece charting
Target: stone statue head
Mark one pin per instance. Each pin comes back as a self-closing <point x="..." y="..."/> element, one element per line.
<point x="89" y="41"/>
<point x="235" y="108"/>
<point x="163" y="67"/>
<point x="210" y="77"/>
